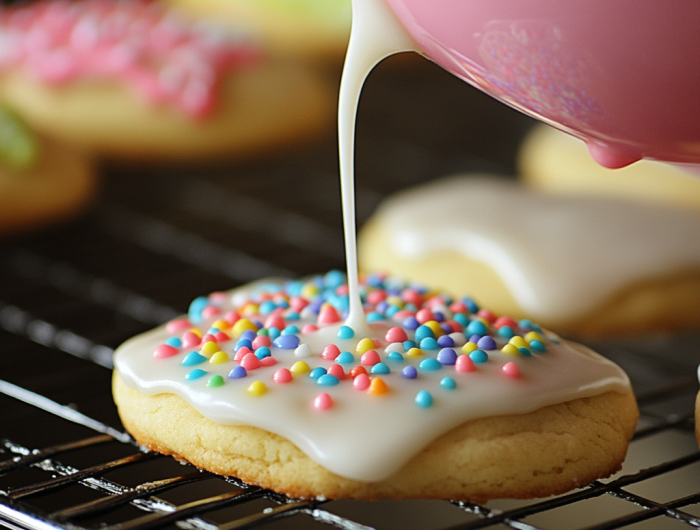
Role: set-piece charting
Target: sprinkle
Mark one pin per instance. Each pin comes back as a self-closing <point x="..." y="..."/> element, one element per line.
<point x="327" y="380"/>
<point x="395" y="356"/>
<point x="429" y="343"/>
<point x="330" y="352"/>
<point x="196" y="308"/>
<point x="464" y="363"/>
<point x="448" y="383"/>
<point x="345" y="358"/>
<point x="380" y="368"/>
<point x="525" y="352"/>
<point x="357" y="370"/>
<point x="446" y="342"/>
<point x="533" y="335"/>
<point x="395" y="334"/>
<point x="337" y="371"/>
<point x="505" y="321"/>
<point x="222" y="336"/>
<point x="424" y="332"/>
<point x="250" y="362"/>
<point x="476" y="327"/>
<point x="424" y="315"/>
<point x="361" y="382"/>
<point x="309" y="328"/>
<point x="287" y="342"/>
<point x="302" y="351"/>
<point x="242" y="352"/>
<point x="435" y="327"/>
<point x="249" y="334"/>
<point x="487" y="315"/>
<point x="506" y="332"/>
<point x="194" y="374"/>
<point x="290" y="330"/>
<point x="268" y="361"/>
<point x="323" y="401"/>
<point x="518" y="342"/>
<point x="378" y="386"/>
<point x="394" y="347"/>
<point x="209" y="337"/>
<point x="190" y="339"/>
<point x="243" y="343"/>
<point x="317" y="372"/>
<point x="221" y="324"/>
<point x="373" y="316"/>
<point x="219" y="357"/>
<point x="424" y="399"/>
<point x="193" y="359"/>
<point x="163" y="351"/>
<point x="410" y="323"/>
<point x="174" y="342"/>
<point x="327" y="315"/>
<point x="215" y="381"/>
<point x="510" y="349"/>
<point x="511" y="370"/>
<point x="408" y="344"/>
<point x="262" y="352"/>
<point x="479" y="356"/>
<point x="447" y="356"/>
<point x="364" y="345"/>
<point x="275" y="321"/>
<point x="412" y="296"/>
<point x="370" y="358"/>
<point x="537" y="347"/>
<point x="409" y="372"/>
<point x="469" y="347"/>
<point x="177" y="326"/>
<point x="242" y="325"/>
<point x="414" y="352"/>
<point x="238" y="372"/>
<point x="300" y="367"/>
<point x="257" y="389"/>
<point x="486" y="343"/>
<point x="429" y="364"/>
<point x="345" y="332"/>
<point x="458" y="338"/>
<point x="461" y="320"/>
<point x="282" y="376"/>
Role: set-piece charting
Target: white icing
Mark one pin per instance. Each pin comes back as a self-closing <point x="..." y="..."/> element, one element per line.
<point x="561" y="257"/>
<point x="364" y="436"/>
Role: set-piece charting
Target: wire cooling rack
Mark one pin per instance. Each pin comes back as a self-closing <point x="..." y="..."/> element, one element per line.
<point x="160" y="236"/>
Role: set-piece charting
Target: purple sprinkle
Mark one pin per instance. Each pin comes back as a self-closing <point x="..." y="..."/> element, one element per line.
<point x="237" y="372"/>
<point x="410" y="323"/>
<point x="286" y="342"/>
<point x="475" y="339"/>
<point x="409" y="372"/>
<point x="248" y="334"/>
<point x="446" y="328"/>
<point x="486" y="343"/>
<point x="445" y="341"/>
<point x="447" y="356"/>
<point x="439" y="317"/>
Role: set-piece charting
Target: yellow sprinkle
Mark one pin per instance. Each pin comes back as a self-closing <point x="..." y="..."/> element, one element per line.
<point x="533" y="335"/>
<point x="483" y="321"/>
<point x="469" y="347"/>
<point x="395" y="300"/>
<point x="309" y="290"/>
<point x="378" y="386"/>
<point x="221" y="325"/>
<point x="243" y="325"/>
<point x="196" y="332"/>
<point x="518" y="342"/>
<point x="414" y="352"/>
<point x="434" y="325"/>
<point x="257" y="388"/>
<point x="364" y="345"/>
<point x="209" y="348"/>
<point x="510" y="349"/>
<point x="250" y="309"/>
<point x="300" y="367"/>
<point x="218" y="358"/>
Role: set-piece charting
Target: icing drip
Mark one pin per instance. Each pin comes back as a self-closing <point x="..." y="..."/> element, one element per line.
<point x="137" y="42"/>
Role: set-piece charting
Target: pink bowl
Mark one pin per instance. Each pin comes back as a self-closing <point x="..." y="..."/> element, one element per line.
<point x="621" y="74"/>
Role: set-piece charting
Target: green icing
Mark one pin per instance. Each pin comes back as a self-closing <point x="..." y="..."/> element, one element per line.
<point x="18" y="146"/>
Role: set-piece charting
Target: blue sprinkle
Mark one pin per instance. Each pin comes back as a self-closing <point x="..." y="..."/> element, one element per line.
<point x="290" y="330"/>
<point x="446" y="341"/>
<point x="525" y="352"/>
<point x="194" y="374"/>
<point x="237" y="372"/>
<point x="461" y="319"/>
<point x="439" y="317"/>
<point x="267" y="307"/>
<point x="257" y="323"/>
<point x="486" y="343"/>
<point x="423" y="332"/>
<point x="395" y="356"/>
<point x="213" y="331"/>
<point x="291" y="316"/>
<point x="248" y="334"/>
<point x="392" y="310"/>
<point x="195" y="310"/>
<point x="334" y="279"/>
<point x="409" y="372"/>
<point x="408" y="344"/>
<point x="283" y="304"/>
<point x="471" y="305"/>
<point x="174" y="342"/>
<point x="479" y="356"/>
<point x="262" y="352"/>
<point x="243" y="343"/>
<point x="424" y="399"/>
<point x="506" y="332"/>
<point x="380" y="368"/>
<point x="287" y="342"/>
<point x="446" y="328"/>
<point x="429" y="343"/>
<point x="193" y="359"/>
<point x="317" y="372"/>
<point x="273" y="333"/>
<point x="345" y="358"/>
<point x="447" y="356"/>
<point x="410" y="323"/>
<point x="529" y="324"/>
<point x="345" y="332"/>
<point x="448" y="383"/>
<point x="294" y="287"/>
<point x="429" y="364"/>
<point x="477" y="327"/>
<point x="327" y="380"/>
<point x="382" y="306"/>
<point x="475" y="338"/>
<point x="375" y="281"/>
<point x="411" y="307"/>
<point x="373" y="316"/>
<point x="538" y="346"/>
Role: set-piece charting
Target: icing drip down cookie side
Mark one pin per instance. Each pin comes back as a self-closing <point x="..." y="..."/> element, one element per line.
<point x="267" y="382"/>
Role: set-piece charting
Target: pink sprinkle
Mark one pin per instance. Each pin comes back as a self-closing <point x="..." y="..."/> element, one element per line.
<point x="487" y="315"/>
<point x="425" y="315"/>
<point x="396" y="334"/>
<point x="505" y="321"/>
<point x="218" y="297"/>
<point x="412" y="296"/>
<point x="210" y="311"/>
<point x="370" y="358"/>
<point x="435" y="301"/>
<point x="189" y="339"/>
<point x="464" y="364"/>
<point x="403" y="314"/>
<point x="282" y="375"/>
<point x="232" y="317"/>
<point x="163" y="351"/>
<point x="268" y="361"/>
<point x="342" y="290"/>
<point x="209" y="338"/>
<point x="323" y="401"/>
<point x="242" y="352"/>
<point x="376" y="296"/>
<point x="222" y="336"/>
<point x="330" y="352"/>
<point x="361" y="382"/>
<point x="456" y="326"/>
<point x="459" y="307"/>
<point x="261" y="340"/>
<point x="275" y="320"/>
<point x="327" y="315"/>
<point x="309" y="328"/>
<point x="337" y="370"/>
<point x="177" y="326"/>
<point x="250" y="361"/>
<point x="511" y="370"/>
<point x="297" y="303"/>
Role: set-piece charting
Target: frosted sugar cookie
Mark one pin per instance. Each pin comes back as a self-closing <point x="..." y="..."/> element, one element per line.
<point x="133" y="79"/>
<point x="41" y="181"/>
<point x="441" y="400"/>
<point x="555" y="162"/>
<point x="581" y="265"/>
<point x="317" y="29"/>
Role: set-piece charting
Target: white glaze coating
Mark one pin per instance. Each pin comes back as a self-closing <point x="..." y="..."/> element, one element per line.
<point x="364" y="436"/>
<point x="561" y="257"/>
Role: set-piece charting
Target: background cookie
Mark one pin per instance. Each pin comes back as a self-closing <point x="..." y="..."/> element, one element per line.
<point x="552" y="161"/>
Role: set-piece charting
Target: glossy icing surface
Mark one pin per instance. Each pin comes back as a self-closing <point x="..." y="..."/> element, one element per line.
<point x="365" y="434"/>
<point x="560" y="256"/>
